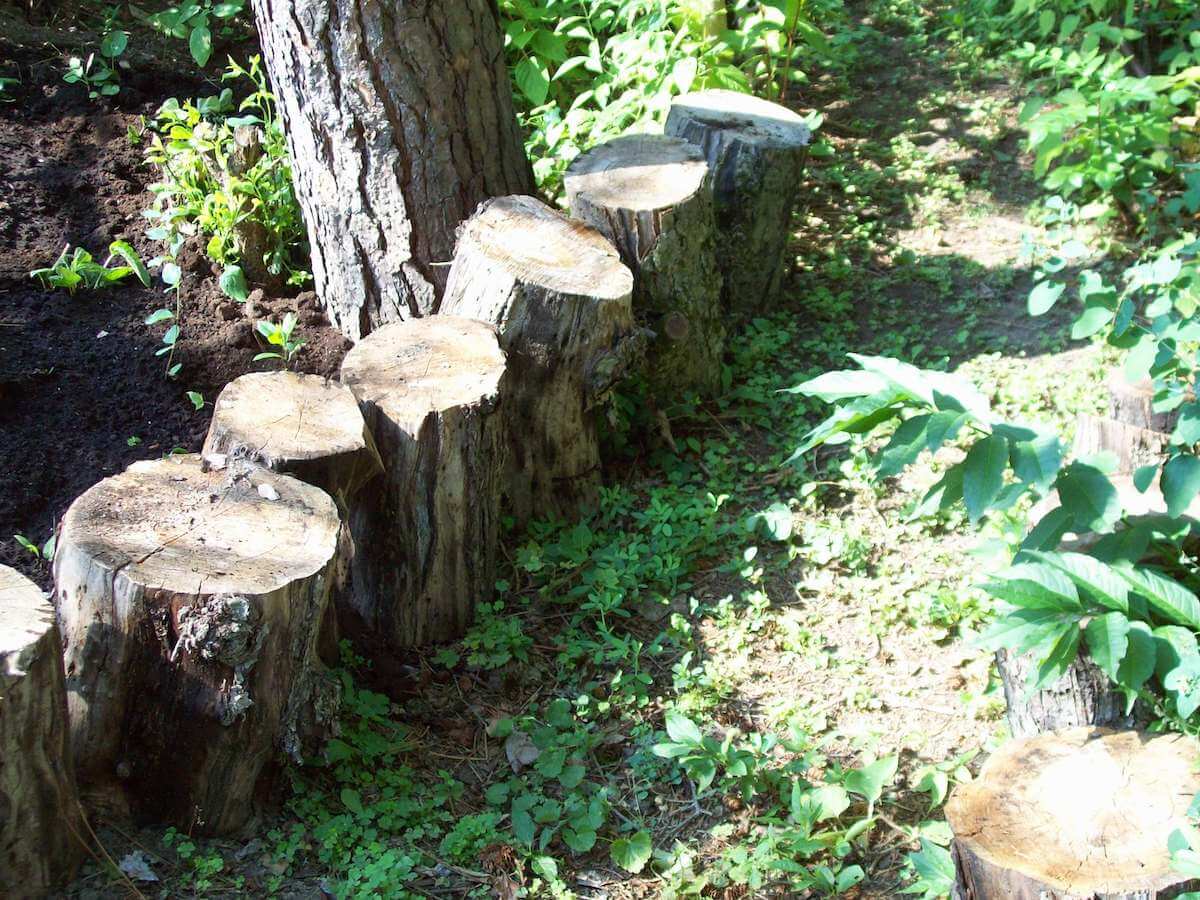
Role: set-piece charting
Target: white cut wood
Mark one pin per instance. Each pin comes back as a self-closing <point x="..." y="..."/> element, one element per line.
<point x="426" y="538"/>
<point x="651" y="195"/>
<point x="40" y="824"/>
<point x="1133" y="404"/>
<point x="1075" y="815"/>
<point x="1133" y="446"/>
<point x="561" y="298"/>
<point x="190" y="602"/>
<point x="756" y="150"/>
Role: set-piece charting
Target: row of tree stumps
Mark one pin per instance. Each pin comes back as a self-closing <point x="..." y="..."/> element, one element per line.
<point x="199" y="598"/>
<point x="1081" y="804"/>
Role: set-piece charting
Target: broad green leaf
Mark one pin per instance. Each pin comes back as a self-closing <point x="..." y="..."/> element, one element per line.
<point x="841" y="385"/>
<point x="233" y="283"/>
<point x="1043" y="297"/>
<point x="1180" y="483"/>
<point x="200" y="43"/>
<point x="1048" y="532"/>
<point x="869" y="781"/>
<point x="983" y="474"/>
<point x="1140" y="657"/>
<point x="1143" y="477"/>
<point x="943" y="426"/>
<point x="945" y="493"/>
<point x="1087" y="494"/>
<point x="1059" y="658"/>
<point x="114" y="44"/>
<point x="1091" y="320"/>
<point x="1037" y="462"/>
<point x="632" y="853"/>
<point x="775" y="522"/>
<point x="159" y="315"/>
<point x="1187" y="428"/>
<point x="1184" y="682"/>
<point x="1171" y="600"/>
<point x="533" y="79"/>
<point x="125" y="250"/>
<point x="1107" y="641"/>
<point x="1024" y="629"/>
<point x="1035" y="586"/>
<point x="681" y="729"/>
<point x="858" y="416"/>
<point x="1101" y="581"/>
<point x="904" y="447"/>
<point x="1173" y="645"/>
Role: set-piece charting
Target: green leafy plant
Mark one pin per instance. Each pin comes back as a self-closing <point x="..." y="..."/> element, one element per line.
<point x="280" y="335"/>
<point x="195" y="21"/>
<point x="75" y="269"/>
<point x="98" y="71"/>
<point x="46" y="551"/>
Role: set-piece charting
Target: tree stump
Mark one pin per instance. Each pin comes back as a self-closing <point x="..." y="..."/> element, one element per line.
<point x="1073" y="815"/>
<point x="756" y="151"/>
<point x="561" y="298"/>
<point x="1083" y="696"/>
<point x="190" y="602"/>
<point x="652" y="197"/>
<point x="40" y="826"/>
<point x="302" y="425"/>
<point x="1133" y="404"/>
<point x="426" y="538"/>
<point x="1133" y="446"/>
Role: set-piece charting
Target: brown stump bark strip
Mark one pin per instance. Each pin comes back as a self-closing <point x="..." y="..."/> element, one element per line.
<point x="1083" y="696"/>
<point x="1133" y="404"/>
<point x="40" y="825"/>
<point x="652" y="197"/>
<point x="1079" y="814"/>
<point x="426" y="539"/>
<point x="190" y="602"/>
<point x="400" y="121"/>
<point x="1133" y="446"/>
<point x="756" y="151"/>
<point x="561" y="298"/>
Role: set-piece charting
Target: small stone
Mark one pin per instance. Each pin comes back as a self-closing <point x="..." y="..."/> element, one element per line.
<point x="267" y="492"/>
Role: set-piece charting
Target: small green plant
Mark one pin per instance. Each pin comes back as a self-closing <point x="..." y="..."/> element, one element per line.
<point x="6" y="85"/>
<point x="196" y="399"/>
<point x="46" y="551"/>
<point x="98" y="71"/>
<point x="75" y="269"/>
<point x="195" y="21"/>
<point x="133" y="441"/>
<point x="280" y="335"/>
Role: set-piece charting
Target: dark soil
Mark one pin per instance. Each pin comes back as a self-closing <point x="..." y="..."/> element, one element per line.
<point x="82" y="393"/>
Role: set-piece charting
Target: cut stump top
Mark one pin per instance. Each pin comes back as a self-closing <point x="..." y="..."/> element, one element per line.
<point x="1086" y="811"/>
<point x="540" y="246"/>
<point x="285" y="416"/>
<point x="412" y="368"/>
<point x="638" y="172"/>
<point x="756" y="121"/>
<point x="25" y="613"/>
<point x="168" y="524"/>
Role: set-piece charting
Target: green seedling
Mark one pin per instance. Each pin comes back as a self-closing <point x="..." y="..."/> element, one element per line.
<point x="280" y="336"/>
<point x="75" y="269"/>
<point x="46" y="551"/>
<point x="98" y="71"/>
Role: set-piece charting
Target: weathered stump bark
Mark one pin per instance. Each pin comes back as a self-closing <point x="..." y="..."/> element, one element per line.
<point x="1133" y="404"/>
<point x="190" y="602"/>
<point x="1083" y="696"/>
<point x="40" y="826"/>
<point x="651" y="195"/>
<point x="756" y="151"/>
<point x="400" y="121"/>
<point x="1074" y="815"/>
<point x="561" y="298"/>
<point x="1133" y="446"/>
<point x="301" y="425"/>
<point x="426" y="536"/>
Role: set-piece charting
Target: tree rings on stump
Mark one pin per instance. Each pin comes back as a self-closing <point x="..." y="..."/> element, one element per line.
<point x="190" y="602"/>
<point x="651" y="196"/>
<point x="1078" y="814"/>
<point x="561" y="298"/>
<point x="426" y="540"/>
<point x="756" y="151"/>
<point x="40" y="826"/>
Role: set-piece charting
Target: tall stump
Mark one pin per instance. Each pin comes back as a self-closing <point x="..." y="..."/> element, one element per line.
<point x="1084" y="695"/>
<point x="1133" y="404"/>
<point x="190" y="602"/>
<point x="40" y="825"/>
<point x="561" y="298"/>
<point x="302" y="425"/>
<point x="1133" y="445"/>
<point x="652" y="197"/>
<point x="1074" y="815"/>
<point x="426" y="536"/>
<point x="756" y="151"/>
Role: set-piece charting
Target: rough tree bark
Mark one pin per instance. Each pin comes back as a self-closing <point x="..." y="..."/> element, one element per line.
<point x="756" y="151"/>
<point x="1075" y="815"/>
<point x="426" y="537"/>
<point x="400" y="120"/>
<point x="190" y="602"/>
<point x="652" y="197"/>
<point x="561" y="299"/>
<point x="1083" y="696"/>
<point x="40" y="826"/>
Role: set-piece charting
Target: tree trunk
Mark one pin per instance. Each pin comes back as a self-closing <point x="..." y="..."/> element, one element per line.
<point x="400" y="120"/>
<point x="427" y="536"/>
<point x="1133" y="404"/>
<point x="561" y="299"/>
<point x="301" y="425"/>
<point x="1083" y="696"/>
<point x="756" y="151"/>
<point x="1133" y="446"/>
<point x="652" y="197"/>
<point x="1075" y="815"/>
<point x="40" y="826"/>
<point x="190" y="602"/>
